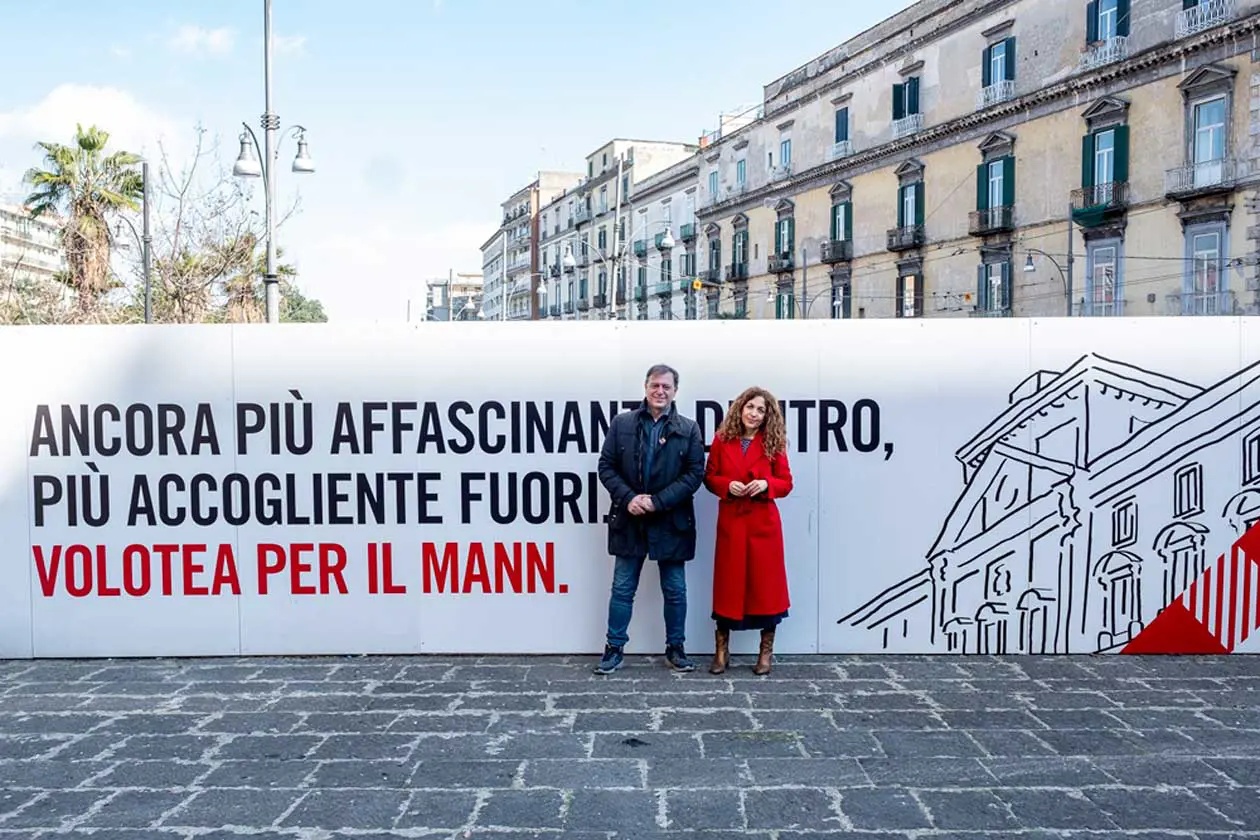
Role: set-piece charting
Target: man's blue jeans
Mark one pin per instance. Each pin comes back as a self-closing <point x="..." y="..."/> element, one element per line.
<point x="625" y="584"/>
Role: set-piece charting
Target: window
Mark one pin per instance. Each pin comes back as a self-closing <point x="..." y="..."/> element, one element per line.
<point x="841" y="300"/>
<point x="1209" y="133"/>
<point x="999" y="63"/>
<point x="785" y="152"/>
<point x="785" y="305"/>
<point x="909" y="296"/>
<point x="993" y="287"/>
<point x="1251" y="458"/>
<point x="785" y="236"/>
<point x="711" y="302"/>
<point x="842" y="125"/>
<point x="1188" y="491"/>
<point x="1103" y="283"/>
<point x="667" y="270"/>
<point x="1203" y="292"/>
<point x="603" y="199"/>
<point x="582" y="287"/>
<point x="641" y="277"/>
<point x="715" y="257"/>
<point x="910" y="206"/>
<point x="713" y="183"/>
<point x="1106" y="19"/>
<point x="905" y="98"/>
<point x="739" y="248"/>
<point x="603" y="238"/>
<point x="741" y="171"/>
<point x="625" y="186"/>
<point x="995" y="183"/>
<point x="1124" y="524"/>
<point x="1105" y="165"/>
<point x="603" y="284"/>
<point x="842" y="222"/>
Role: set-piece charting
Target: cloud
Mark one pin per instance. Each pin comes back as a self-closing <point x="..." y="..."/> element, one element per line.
<point x="201" y="42"/>
<point x="289" y="44"/>
<point x="120" y="52"/>
<point x="132" y="125"/>
<point x="437" y="7"/>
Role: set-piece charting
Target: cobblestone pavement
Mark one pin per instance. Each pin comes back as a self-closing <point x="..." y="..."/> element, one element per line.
<point x="515" y="748"/>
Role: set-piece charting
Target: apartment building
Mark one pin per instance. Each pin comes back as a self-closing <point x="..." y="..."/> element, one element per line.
<point x="514" y="282"/>
<point x="456" y="297"/>
<point x="30" y="249"/>
<point x="663" y="245"/>
<point x="997" y="158"/>
<point x="586" y="240"/>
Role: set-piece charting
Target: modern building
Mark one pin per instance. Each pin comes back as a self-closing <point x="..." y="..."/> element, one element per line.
<point x="30" y="249"/>
<point x="587" y="242"/>
<point x="996" y="158"/>
<point x="457" y="297"/>
<point x="513" y="283"/>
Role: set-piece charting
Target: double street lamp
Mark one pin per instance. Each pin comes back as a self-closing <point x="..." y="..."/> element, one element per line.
<point x="255" y="160"/>
<point x="667" y="243"/>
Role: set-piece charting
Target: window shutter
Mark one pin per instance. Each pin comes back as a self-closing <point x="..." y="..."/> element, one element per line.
<point x="1087" y="161"/>
<point x="986" y="68"/>
<point x="1008" y="181"/>
<point x="842" y="125"/>
<point x="835" y="217"/>
<point x="918" y="295"/>
<point x="1091" y="21"/>
<point x="901" y="206"/>
<point x="778" y="236"/>
<point x="912" y="95"/>
<point x="791" y="235"/>
<point x="982" y="187"/>
<point x="982" y="288"/>
<point x="918" y="203"/>
<point x="1007" y="302"/>
<point x="848" y="221"/>
<point x="899" y="101"/>
<point x="1122" y="17"/>
<point x="901" y="296"/>
<point x="1122" y="153"/>
<point x="1010" y="59"/>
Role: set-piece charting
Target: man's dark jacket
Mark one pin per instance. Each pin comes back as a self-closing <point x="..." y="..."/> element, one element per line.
<point x="677" y="472"/>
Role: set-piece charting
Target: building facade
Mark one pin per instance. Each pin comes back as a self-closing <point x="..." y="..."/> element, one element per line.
<point x="30" y="249"/>
<point x="585" y="251"/>
<point x="512" y="283"/>
<point x="663" y="271"/>
<point x="457" y="297"/>
<point x="997" y="158"/>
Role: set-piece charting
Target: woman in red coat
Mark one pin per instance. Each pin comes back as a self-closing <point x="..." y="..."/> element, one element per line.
<point x="747" y="470"/>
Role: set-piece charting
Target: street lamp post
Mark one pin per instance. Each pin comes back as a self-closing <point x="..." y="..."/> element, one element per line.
<point x="1030" y="267"/>
<point x="616" y="258"/>
<point x="807" y="303"/>
<point x="146" y="242"/>
<point x="254" y="161"/>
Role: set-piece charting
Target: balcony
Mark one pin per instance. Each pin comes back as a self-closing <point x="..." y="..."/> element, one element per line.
<point x="569" y="307"/>
<point x="640" y="293"/>
<point x="779" y="264"/>
<point x="997" y="312"/>
<point x="1204" y="16"/>
<point x="993" y="220"/>
<point x="583" y="305"/>
<point x="1093" y="205"/>
<point x="1205" y="178"/>
<point x="1200" y="303"/>
<point x="710" y="276"/>
<point x="640" y="247"/>
<point x="905" y="238"/>
<point x="839" y="151"/>
<point x="664" y="287"/>
<point x="737" y="271"/>
<point x="600" y="301"/>
<point x="837" y="251"/>
<point x="907" y="125"/>
<point x="1105" y="52"/>
<point x="780" y="173"/>
<point x="995" y="93"/>
<point x="687" y="233"/>
<point x="555" y="310"/>
<point x="581" y="215"/>
<point x="554" y="271"/>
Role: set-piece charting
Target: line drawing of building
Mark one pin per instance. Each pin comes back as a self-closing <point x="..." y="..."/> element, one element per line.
<point x="1090" y="504"/>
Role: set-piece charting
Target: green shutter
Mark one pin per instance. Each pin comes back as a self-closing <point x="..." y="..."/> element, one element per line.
<point x="1122" y="154"/>
<point x="982" y="187"/>
<point x="986" y="68"/>
<point x="1091" y="21"/>
<point x="901" y="293"/>
<point x="778" y="236"/>
<point x="912" y="95"/>
<point x="1087" y="161"/>
<point x="1010" y="59"/>
<point x="901" y="206"/>
<point x="791" y="235"/>
<point x="1122" y="17"/>
<point x="848" y="221"/>
<point x="899" y="101"/>
<point x="918" y="203"/>
<point x="842" y="125"/>
<point x="835" y="230"/>
<point x="1007" y="301"/>
<point x="982" y="288"/>
<point x="1008" y="181"/>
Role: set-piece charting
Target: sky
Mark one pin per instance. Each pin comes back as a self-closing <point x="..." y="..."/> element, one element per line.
<point x="422" y="117"/>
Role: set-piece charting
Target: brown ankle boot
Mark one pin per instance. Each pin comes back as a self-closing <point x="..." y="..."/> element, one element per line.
<point x="763" y="655"/>
<point x="722" y="653"/>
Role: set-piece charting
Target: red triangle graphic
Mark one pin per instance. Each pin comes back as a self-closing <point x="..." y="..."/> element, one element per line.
<point x="1175" y="631"/>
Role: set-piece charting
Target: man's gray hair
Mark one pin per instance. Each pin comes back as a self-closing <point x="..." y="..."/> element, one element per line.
<point x="658" y="370"/>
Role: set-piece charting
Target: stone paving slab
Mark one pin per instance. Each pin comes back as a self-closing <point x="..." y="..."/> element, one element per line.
<point x="877" y="748"/>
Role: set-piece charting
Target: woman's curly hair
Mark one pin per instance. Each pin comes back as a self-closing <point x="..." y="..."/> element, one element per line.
<point x="773" y="429"/>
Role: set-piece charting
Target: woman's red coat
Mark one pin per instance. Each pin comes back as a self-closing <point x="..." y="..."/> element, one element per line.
<point x="749" y="573"/>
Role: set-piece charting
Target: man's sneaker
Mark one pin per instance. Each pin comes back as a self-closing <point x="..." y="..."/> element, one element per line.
<point x="611" y="662"/>
<point x="678" y="658"/>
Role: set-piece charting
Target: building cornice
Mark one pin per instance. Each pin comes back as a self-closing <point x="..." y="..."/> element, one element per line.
<point x="689" y="173"/>
<point x="1170" y="57"/>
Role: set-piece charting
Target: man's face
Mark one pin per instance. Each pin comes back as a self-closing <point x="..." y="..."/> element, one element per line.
<point x="660" y="391"/>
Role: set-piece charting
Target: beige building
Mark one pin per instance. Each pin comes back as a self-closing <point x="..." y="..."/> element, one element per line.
<point x="584" y="247"/>
<point x="663" y="247"/>
<point x="999" y="157"/>
<point x="510" y="257"/>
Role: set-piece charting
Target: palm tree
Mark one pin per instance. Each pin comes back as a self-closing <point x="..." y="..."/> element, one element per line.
<point x="86" y="186"/>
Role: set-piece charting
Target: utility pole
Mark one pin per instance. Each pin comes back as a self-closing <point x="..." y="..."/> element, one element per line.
<point x="1070" y="260"/>
<point x="616" y="242"/>
<point x="147" y="242"/>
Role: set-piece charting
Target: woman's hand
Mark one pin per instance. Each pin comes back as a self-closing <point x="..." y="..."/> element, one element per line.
<point x="738" y="488"/>
<point x="757" y="487"/>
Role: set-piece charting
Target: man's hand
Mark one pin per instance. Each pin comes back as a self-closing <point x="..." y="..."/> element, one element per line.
<point x="738" y="488"/>
<point x="640" y="505"/>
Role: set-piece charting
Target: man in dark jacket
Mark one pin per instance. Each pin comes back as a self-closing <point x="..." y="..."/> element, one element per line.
<point x="652" y="464"/>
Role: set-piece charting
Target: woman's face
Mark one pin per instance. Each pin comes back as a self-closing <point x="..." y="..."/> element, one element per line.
<point x="754" y="413"/>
